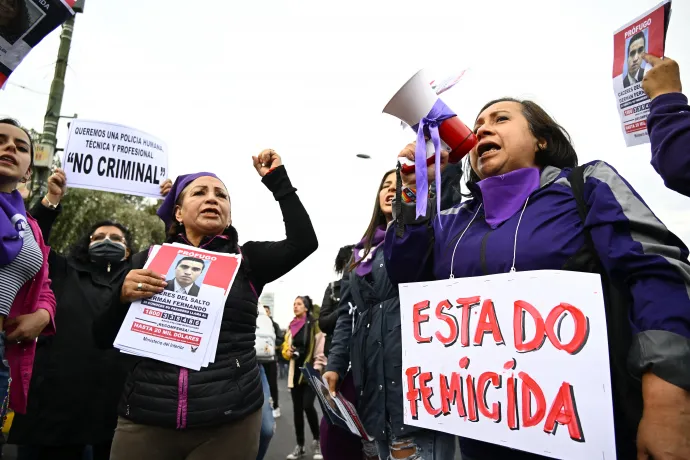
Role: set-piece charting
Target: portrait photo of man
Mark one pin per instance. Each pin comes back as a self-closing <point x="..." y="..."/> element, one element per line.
<point x="187" y="271"/>
<point x="637" y="46"/>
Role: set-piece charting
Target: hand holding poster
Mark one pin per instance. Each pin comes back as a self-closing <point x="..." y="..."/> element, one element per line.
<point x="181" y="325"/>
<point x="114" y="158"/>
<point x="23" y="24"/>
<point x="509" y="358"/>
<point x="646" y="34"/>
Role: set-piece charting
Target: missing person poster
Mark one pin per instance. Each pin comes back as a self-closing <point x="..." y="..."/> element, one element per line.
<point x="646" y="34"/>
<point x="23" y="24"/>
<point x="114" y="158"/>
<point x="181" y="325"/>
<point x="515" y="359"/>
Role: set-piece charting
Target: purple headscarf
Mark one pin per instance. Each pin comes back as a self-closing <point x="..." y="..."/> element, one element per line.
<point x="165" y="212"/>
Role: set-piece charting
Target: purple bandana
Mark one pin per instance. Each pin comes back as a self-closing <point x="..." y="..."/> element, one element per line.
<point x="438" y="113"/>
<point x="167" y="209"/>
<point x="12" y="213"/>
<point x="504" y="195"/>
<point x="297" y="324"/>
<point x="364" y="268"/>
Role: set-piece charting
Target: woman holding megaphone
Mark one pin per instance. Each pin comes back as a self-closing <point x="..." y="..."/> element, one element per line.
<point x="532" y="208"/>
<point x="169" y="412"/>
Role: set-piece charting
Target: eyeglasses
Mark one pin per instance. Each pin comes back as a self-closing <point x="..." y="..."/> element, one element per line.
<point x="114" y="237"/>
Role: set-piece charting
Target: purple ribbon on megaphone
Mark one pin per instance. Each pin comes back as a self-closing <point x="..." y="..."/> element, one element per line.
<point x="438" y="113"/>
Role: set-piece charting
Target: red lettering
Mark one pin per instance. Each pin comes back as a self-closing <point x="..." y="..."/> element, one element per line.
<point x="531" y="388"/>
<point x="427" y="393"/>
<point x="451" y="394"/>
<point x="483" y="385"/>
<point x="466" y="304"/>
<point x="418" y="318"/>
<point x="513" y="417"/>
<point x="413" y="394"/>
<point x="579" y="339"/>
<point x="488" y="323"/>
<point x="450" y="320"/>
<point x="564" y="412"/>
<point x="471" y="399"/>
<point x="520" y="309"/>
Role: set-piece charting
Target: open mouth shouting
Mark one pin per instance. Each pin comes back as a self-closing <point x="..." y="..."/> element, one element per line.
<point x="487" y="148"/>
<point x="8" y="160"/>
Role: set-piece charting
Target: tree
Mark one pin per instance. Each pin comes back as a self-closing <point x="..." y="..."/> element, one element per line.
<point x="82" y="208"/>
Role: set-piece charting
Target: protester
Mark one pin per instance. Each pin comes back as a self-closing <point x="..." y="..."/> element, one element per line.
<point x="668" y="123"/>
<point x="75" y="386"/>
<point x="271" y="368"/>
<point x="524" y="216"/>
<point x="268" y="424"/>
<point x="371" y="340"/>
<point x="27" y="305"/>
<point x="303" y="344"/>
<point x="169" y="412"/>
<point x="331" y="298"/>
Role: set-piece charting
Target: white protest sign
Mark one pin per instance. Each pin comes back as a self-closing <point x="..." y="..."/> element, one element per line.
<point x="114" y="158"/>
<point x="509" y="358"/>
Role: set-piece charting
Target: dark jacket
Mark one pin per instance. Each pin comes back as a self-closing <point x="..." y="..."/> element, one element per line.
<point x="329" y="312"/>
<point x="193" y="291"/>
<point x="75" y="386"/>
<point x="640" y="256"/>
<point x="668" y="124"/>
<point x="229" y="389"/>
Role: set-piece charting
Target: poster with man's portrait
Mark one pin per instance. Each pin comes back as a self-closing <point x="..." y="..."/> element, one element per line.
<point x="646" y="34"/>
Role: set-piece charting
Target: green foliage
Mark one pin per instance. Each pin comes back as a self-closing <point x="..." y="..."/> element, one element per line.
<point x="82" y="208"/>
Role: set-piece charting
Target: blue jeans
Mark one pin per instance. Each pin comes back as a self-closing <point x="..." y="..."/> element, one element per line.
<point x="422" y="445"/>
<point x="267" y="420"/>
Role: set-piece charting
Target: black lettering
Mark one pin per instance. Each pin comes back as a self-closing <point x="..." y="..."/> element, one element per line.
<point x="100" y="168"/>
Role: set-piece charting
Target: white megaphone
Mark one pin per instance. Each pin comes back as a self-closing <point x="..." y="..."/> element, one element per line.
<point x="413" y="102"/>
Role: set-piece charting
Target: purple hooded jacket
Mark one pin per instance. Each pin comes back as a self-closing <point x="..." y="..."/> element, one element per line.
<point x="634" y="247"/>
<point x="668" y="125"/>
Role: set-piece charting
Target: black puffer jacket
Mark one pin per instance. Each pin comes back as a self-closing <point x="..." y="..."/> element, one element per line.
<point x="169" y="396"/>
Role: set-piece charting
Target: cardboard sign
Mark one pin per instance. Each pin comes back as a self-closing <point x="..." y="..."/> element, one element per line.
<point x="646" y="34"/>
<point x="516" y="359"/>
<point x="114" y="158"/>
<point x="25" y="24"/>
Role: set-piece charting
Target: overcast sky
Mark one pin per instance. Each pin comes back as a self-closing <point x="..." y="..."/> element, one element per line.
<point x="309" y="79"/>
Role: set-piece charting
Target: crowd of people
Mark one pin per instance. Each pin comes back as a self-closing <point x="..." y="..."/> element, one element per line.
<point x="73" y="393"/>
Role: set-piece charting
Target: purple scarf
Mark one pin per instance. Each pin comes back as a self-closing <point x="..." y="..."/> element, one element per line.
<point x="504" y="195"/>
<point x="364" y="268"/>
<point x="12" y="217"/>
<point x="297" y="324"/>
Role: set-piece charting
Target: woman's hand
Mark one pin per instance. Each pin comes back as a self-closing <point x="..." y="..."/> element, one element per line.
<point x="266" y="161"/>
<point x="408" y="152"/>
<point x="663" y="431"/>
<point x="141" y="284"/>
<point x="57" y="184"/>
<point x="27" y="327"/>
<point x="332" y="379"/>
<point x="662" y="78"/>
<point x="290" y="352"/>
<point x="165" y="187"/>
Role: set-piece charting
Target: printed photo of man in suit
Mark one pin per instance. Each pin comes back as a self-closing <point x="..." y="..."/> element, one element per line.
<point x="636" y="48"/>
<point x="186" y="273"/>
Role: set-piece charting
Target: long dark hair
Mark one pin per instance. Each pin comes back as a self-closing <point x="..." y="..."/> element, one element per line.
<point x="378" y="218"/>
<point x="16" y="124"/>
<point x="343" y="257"/>
<point x="18" y="25"/>
<point x="559" y="151"/>
<point x="80" y="249"/>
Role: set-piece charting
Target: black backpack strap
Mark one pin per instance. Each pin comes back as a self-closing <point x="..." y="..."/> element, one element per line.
<point x="577" y="185"/>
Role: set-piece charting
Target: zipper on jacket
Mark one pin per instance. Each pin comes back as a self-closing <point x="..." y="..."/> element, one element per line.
<point x="482" y="257"/>
<point x="108" y="267"/>
<point x="237" y="361"/>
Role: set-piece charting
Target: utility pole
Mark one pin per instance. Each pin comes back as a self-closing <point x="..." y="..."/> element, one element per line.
<point x="52" y="116"/>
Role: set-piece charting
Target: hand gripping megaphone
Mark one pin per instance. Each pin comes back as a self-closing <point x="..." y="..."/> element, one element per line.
<point x="418" y="105"/>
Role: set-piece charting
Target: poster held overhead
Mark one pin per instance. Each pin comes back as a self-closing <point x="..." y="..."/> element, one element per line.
<point x="645" y="34"/>
<point x="114" y="158"/>
<point x="24" y="26"/>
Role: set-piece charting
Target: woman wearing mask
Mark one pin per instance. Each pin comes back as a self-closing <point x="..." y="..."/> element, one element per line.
<point x="303" y="344"/>
<point x="170" y="412"/>
<point x="373" y="345"/>
<point x="76" y="386"/>
<point x="523" y="215"/>
<point x="27" y="305"/>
